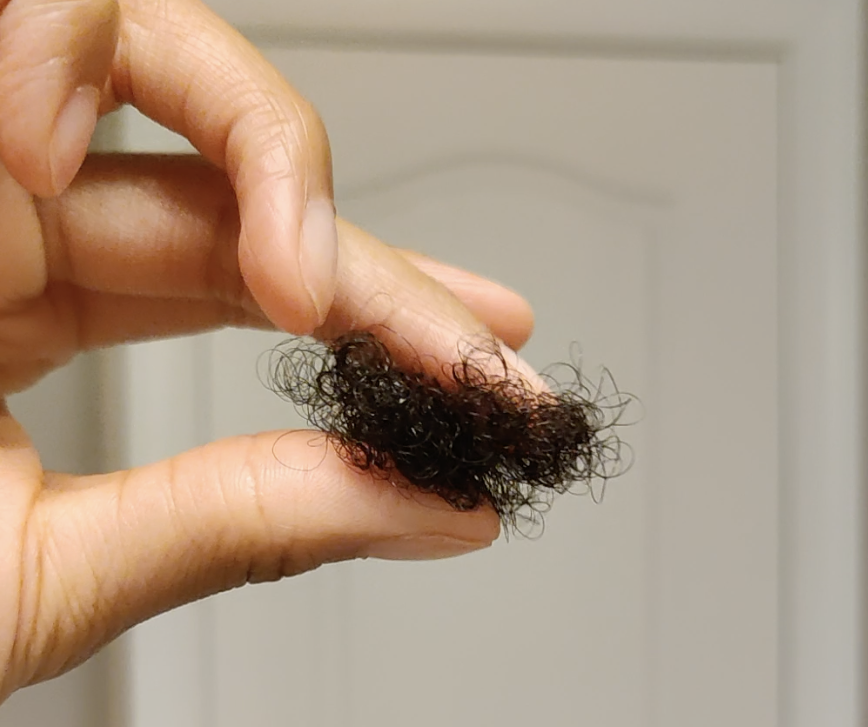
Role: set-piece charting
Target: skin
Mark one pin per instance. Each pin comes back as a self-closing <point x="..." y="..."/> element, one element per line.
<point x="113" y="249"/>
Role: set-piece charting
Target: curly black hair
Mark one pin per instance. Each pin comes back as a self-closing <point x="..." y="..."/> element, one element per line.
<point x="475" y="434"/>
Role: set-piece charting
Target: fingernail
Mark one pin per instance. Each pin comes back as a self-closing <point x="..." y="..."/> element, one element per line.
<point x="525" y="370"/>
<point x="426" y="547"/>
<point x="73" y="130"/>
<point x="318" y="254"/>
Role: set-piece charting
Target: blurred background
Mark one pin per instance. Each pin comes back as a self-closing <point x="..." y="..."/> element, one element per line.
<point x="646" y="179"/>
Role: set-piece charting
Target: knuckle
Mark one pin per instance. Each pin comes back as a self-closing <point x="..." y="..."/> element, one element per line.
<point x="293" y="134"/>
<point x="251" y="482"/>
<point x="278" y="551"/>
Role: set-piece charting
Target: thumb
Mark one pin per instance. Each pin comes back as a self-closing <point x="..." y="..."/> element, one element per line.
<point x="113" y="550"/>
<point x="55" y="58"/>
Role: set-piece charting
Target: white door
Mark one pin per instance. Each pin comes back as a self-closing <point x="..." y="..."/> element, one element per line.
<point x="645" y="187"/>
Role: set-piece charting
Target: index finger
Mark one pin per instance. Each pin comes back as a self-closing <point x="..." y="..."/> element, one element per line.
<point x="188" y="70"/>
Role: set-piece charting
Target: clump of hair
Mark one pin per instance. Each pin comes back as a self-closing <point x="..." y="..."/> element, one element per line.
<point x="474" y="434"/>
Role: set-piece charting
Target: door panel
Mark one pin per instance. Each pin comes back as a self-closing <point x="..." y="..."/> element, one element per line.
<point x="633" y="202"/>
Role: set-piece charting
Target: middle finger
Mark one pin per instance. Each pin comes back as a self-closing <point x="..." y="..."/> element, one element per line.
<point x="151" y="245"/>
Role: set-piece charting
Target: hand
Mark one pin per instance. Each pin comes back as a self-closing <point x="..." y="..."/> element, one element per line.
<point x="138" y="248"/>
